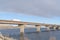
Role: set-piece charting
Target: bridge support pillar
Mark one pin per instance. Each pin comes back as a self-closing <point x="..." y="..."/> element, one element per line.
<point x="21" y="26"/>
<point x="54" y="28"/>
<point x="48" y="28"/>
<point x="38" y="28"/>
<point x="59" y="28"/>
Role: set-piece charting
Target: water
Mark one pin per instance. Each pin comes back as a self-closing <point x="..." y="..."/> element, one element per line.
<point x="14" y="33"/>
<point x="31" y="34"/>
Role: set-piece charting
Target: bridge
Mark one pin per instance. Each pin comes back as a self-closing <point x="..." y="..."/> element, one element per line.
<point x="22" y="25"/>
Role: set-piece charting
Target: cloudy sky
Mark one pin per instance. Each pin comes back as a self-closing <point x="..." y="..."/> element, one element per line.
<point x="39" y="9"/>
<point x="45" y="8"/>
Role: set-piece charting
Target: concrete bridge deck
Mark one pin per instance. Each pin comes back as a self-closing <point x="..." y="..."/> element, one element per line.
<point x="21" y="22"/>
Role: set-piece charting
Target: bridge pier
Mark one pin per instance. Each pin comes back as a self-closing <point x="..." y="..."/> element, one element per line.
<point x="21" y="31"/>
<point x="54" y="28"/>
<point x="58" y="28"/>
<point x="21" y="28"/>
<point x="38" y="28"/>
<point x="48" y="28"/>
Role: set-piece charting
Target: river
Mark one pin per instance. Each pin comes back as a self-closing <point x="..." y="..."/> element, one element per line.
<point x="31" y="34"/>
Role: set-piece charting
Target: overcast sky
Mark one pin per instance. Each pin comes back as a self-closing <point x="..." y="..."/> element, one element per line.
<point x="44" y="8"/>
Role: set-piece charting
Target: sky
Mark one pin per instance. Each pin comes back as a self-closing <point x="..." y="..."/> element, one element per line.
<point x="44" y="8"/>
<point x="28" y="18"/>
<point x="45" y="11"/>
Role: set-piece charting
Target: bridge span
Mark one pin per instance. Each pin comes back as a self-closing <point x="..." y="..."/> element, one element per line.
<point x="22" y="24"/>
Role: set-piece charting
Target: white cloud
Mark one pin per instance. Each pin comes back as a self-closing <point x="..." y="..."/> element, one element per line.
<point x="16" y="20"/>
